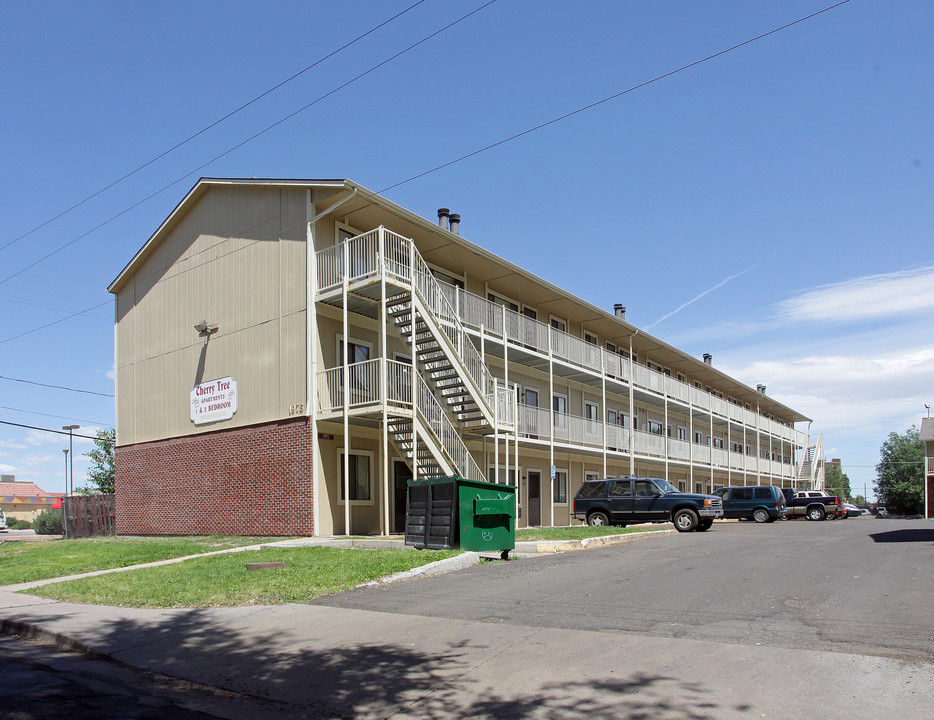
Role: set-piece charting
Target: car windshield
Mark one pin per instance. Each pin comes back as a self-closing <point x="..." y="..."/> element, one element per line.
<point x="665" y="486"/>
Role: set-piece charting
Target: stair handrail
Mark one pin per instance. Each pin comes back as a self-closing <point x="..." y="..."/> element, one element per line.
<point x="433" y="297"/>
<point x="433" y="417"/>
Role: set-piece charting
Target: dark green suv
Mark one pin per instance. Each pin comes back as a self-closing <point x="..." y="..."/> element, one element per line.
<point x="621" y="501"/>
<point x="762" y="503"/>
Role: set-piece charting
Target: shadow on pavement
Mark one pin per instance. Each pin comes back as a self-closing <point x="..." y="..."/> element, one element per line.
<point x="918" y="535"/>
<point x="379" y="679"/>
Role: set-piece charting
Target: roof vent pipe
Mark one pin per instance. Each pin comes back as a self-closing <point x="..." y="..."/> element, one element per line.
<point x="620" y="311"/>
<point x="443" y="215"/>
<point x="455" y="223"/>
<point x="761" y="388"/>
<point x="708" y="358"/>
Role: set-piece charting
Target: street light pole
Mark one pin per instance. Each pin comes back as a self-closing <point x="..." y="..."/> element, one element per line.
<point x="64" y="517"/>
<point x="71" y="429"/>
<point x="71" y="451"/>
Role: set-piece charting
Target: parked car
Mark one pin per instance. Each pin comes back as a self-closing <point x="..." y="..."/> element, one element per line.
<point x="812" y="504"/>
<point x="762" y="503"/>
<point x="852" y="510"/>
<point x="620" y="501"/>
<point x="2" y="521"/>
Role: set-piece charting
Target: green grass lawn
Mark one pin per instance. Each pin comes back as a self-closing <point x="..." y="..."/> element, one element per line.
<point x="24" y="562"/>
<point x="223" y="580"/>
<point x="578" y="532"/>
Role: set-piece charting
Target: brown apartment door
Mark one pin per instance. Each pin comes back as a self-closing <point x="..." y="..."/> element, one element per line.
<point x="535" y="498"/>
<point x="401" y="474"/>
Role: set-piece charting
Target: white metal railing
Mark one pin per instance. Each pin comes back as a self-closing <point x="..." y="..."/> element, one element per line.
<point x="359" y="258"/>
<point x="930" y="465"/>
<point x="454" y="308"/>
<point x="366" y="389"/>
<point x="433" y="416"/>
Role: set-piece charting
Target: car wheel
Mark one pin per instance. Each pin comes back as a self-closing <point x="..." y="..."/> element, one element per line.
<point x="760" y="515"/>
<point x="598" y="518"/>
<point x="685" y="520"/>
<point x="816" y="513"/>
<point x="704" y="525"/>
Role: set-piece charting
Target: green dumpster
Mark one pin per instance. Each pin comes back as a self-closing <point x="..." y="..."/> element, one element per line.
<point x="487" y="514"/>
<point x="447" y="512"/>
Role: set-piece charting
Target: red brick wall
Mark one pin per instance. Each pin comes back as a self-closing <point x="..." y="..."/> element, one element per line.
<point x="255" y="480"/>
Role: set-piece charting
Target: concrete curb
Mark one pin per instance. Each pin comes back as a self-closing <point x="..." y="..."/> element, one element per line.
<point x="554" y="546"/>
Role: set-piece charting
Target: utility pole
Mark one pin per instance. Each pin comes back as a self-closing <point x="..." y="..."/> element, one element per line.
<point x="64" y="516"/>
<point x="71" y="467"/>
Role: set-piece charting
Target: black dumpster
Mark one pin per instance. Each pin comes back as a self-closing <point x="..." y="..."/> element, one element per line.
<point x="431" y="513"/>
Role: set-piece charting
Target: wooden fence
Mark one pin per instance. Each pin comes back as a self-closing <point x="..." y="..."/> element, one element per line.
<point x="88" y="515"/>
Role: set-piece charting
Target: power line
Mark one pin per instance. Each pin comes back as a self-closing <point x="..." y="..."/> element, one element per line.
<point x="57" y="432"/>
<point x="244" y="142"/>
<point x="369" y="195"/>
<point x="212" y="125"/>
<point x="59" y="417"/>
<point x="57" y="387"/>
<point x="55" y="322"/>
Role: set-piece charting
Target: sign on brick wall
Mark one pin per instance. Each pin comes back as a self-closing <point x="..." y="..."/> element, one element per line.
<point x="213" y="401"/>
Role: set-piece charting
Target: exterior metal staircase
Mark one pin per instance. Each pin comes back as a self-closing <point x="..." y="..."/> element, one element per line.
<point x="811" y="465"/>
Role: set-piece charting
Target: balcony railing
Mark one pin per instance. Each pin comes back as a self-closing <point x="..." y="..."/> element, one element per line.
<point x="477" y="312"/>
<point x="366" y="391"/>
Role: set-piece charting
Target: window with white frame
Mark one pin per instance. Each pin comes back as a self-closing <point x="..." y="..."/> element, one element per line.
<point x="682" y="432"/>
<point x="504" y="478"/>
<point x="682" y="485"/>
<point x="559" y="404"/>
<point x="698" y="437"/>
<point x="530" y="312"/>
<point x="359" y="464"/>
<point x="531" y="397"/>
<point x="611" y="417"/>
<point x="591" y="411"/>
<point x="560" y="487"/>
<point x="502" y="301"/>
<point x="590" y="338"/>
<point x="655" y="427"/>
<point x="559" y="324"/>
<point x="717" y="442"/>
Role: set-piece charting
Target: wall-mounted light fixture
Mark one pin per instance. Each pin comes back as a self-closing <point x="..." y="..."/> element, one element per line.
<point x="204" y="329"/>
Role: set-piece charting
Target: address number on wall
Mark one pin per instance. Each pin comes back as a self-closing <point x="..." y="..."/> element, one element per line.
<point x="297" y="409"/>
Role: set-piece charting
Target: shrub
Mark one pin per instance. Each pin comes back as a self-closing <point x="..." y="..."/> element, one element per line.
<point x="48" y="522"/>
<point x="17" y="524"/>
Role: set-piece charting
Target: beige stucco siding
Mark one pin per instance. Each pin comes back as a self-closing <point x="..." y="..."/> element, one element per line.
<point x="248" y="278"/>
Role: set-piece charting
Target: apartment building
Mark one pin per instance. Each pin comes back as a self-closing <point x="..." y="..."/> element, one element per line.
<point x="289" y="353"/>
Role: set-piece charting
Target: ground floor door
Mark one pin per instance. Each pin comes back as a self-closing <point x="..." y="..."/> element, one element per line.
<point x="535" y="498"/>
<point x="401" y="474"/>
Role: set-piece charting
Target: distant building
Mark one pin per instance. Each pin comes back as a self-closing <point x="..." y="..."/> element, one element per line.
<point x="927" y="437"/>
<point x="25" y="500"/>
<point x="289" y="353"/>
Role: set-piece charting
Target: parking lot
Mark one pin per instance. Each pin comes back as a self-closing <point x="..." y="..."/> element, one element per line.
<point x="861" y="585"/>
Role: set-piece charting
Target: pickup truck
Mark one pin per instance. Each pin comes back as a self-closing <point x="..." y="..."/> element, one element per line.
<point x="812" y="504"/>
<point x="620" y="501"/>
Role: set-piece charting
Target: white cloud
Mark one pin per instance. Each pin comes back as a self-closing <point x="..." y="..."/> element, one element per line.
<point x="12" y="445"/>
<point x="7" y="468"/>
<point x="865" y="298"/>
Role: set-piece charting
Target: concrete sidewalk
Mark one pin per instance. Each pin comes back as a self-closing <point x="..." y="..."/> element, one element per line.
<point x="320" y="662"/>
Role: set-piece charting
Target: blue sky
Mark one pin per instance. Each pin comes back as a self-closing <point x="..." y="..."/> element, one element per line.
<point x="771" y="206"/>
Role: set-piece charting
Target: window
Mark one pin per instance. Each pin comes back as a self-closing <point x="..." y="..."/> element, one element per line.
<point x="504" y="479"/>
<point x="357" y="351"/>
<point x="446" y="277"/>
<point x="681" y="377"/>
<point x="559" y="324"/>
<point x="682" y="432"/>
<point x="559" y="404"/>
<point x="655" y="427"/>
<point x="359" y="476"/>
<point x="502" y="302"/>
<point x="531" y="397"/>
<point x="591" y="411"/>
<point x="560" y="487"/>
<point x="717" y="442"/>
<point x="592" y="490"/>
<point x="621" y="488"/>
<point x="698" y="437"/>
<point x="611" y="347"/>
<point x="611" y="417"/>
<point x="590" y="338"/>
<point x="681" y="485"/>
<point x="669" y="431"/>
<point x="698" y="487"/>
<point x="742" y="493"/>
<point x="762" y="493"/>
<point x="530" y="313"/>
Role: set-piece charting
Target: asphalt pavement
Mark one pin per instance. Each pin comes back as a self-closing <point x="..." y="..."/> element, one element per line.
<point x="317" y="661"/>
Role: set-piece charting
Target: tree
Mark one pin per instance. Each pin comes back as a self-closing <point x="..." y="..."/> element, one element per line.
<point x="837" y="480"/>
<point x="860" y="500"/>
<point x="900" y="474"/>
<point x="101" y="472"/>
